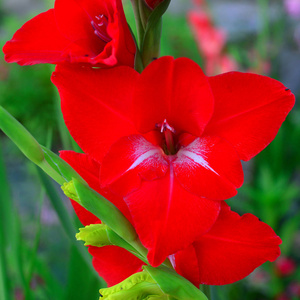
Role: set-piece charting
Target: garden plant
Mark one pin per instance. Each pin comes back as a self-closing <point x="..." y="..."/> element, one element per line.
<point x="152" y="147"/>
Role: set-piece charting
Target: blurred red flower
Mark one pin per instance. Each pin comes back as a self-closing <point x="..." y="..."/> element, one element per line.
<point x="210" y="41"/>
<point x="285" y="266"/>
<point x="170" y="140"/>
<point x="75" y="31"/>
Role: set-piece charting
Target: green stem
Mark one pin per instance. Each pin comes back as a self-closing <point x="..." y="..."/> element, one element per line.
<point x="27" y="144"/>
<point x="206" y="289"/>
<point x="33" y="255"/>
<point x="139" y="26"/>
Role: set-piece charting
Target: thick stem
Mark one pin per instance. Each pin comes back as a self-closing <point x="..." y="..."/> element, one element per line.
<point x="206" y="290"/>
<point x="138" y="22"/>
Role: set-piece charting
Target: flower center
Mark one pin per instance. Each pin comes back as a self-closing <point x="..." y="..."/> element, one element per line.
<point x="169" y="137"/>
<point x="100" y="28"/>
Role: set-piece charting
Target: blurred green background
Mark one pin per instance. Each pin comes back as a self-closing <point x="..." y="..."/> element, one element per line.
<point x="39" y="257"/>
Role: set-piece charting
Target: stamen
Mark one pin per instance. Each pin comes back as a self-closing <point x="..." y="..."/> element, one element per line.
<point x="164" y="126"/>
<point x="169" y="136"/>
<point x="100" y="27"/>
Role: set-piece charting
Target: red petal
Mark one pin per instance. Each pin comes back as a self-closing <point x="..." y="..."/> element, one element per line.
<point x="209" y="167"/>
<point x="249" y="110"/>
<point x="175" y="90"/>
<point x="129" y="160"/>
<point x="114" y="264"/>
<point x="163" y="211"/>
<point x="37" y="41"/>
<point x="89" y="170"/>
<point x="96" y="105"/>
<point x="230" y="251"/>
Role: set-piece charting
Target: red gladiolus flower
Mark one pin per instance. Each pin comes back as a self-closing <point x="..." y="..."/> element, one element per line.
<point x="75" y="31"/>
<point x="112" y="263"/>
<point x="170" y="140"/>
<point x="230" y="251"/>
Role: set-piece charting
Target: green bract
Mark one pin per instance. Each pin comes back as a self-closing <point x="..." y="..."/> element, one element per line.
<point x="138" y="286"/>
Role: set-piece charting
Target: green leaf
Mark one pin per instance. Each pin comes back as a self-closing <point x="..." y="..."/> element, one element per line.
<point x="26" y="143"/>
<point x="82" y="283"/>
<point x="60" y="166"/>
<point x="21" y="137"/>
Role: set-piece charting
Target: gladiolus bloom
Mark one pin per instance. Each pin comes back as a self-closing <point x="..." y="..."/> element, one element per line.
<point x="170" y="140"/>
<point x="75" y="31"/>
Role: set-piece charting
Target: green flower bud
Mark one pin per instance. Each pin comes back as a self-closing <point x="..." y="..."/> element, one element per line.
<point x="100" y="235"/>
<point x="138" y="286"/>
<point x="69" y="190"/>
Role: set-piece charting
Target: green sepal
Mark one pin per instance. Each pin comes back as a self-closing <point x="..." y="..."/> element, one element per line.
<point x="100" y="235"/>
<point x="21" y="137"/>
<point x="173" y="284"/>
<point x="69" y="190"/>
<point x="61" y="167"/>
<point x="94" y="235"/>
<point x="139" y="286"/>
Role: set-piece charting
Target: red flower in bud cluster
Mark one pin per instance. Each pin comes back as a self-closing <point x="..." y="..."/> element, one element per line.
<point x="170" y="140"/>
<point x="75" y="31"/>
<point x="153" y="3"/>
